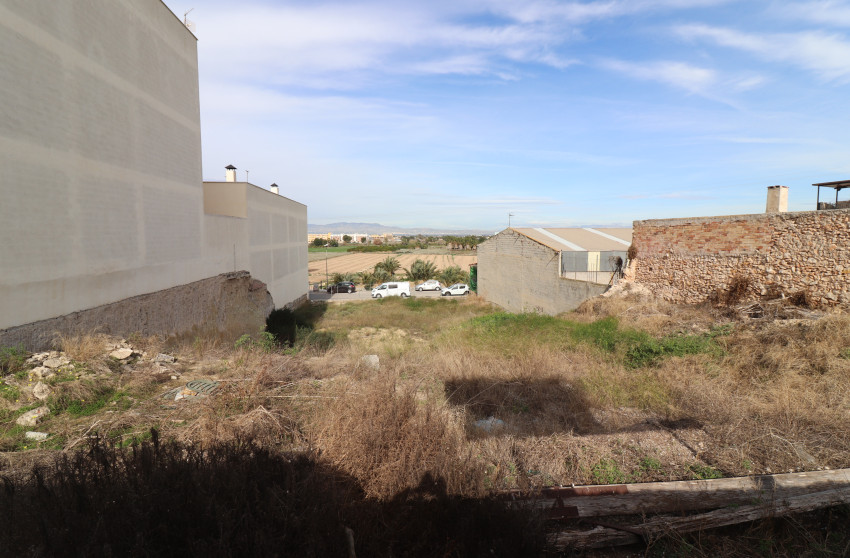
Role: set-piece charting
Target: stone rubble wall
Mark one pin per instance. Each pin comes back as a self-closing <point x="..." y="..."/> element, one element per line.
<point x="688" y="260"/>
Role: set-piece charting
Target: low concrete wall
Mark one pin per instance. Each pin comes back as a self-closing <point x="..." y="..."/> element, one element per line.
<point x="521" y="275"/>
<point x="687" y="260"/>
<point x="225" y="306"/>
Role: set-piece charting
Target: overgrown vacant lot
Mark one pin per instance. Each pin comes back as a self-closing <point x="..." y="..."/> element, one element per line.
<point x="466" y="401"/>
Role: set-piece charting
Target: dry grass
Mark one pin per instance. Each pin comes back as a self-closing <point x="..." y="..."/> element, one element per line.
<point x="389" y="436"/>
<point x="82" y="347"/>
<point x="563" y="403"/>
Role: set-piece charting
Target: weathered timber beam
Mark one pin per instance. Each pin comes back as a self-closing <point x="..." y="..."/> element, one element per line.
<point x="677" y="496"/>
<point x="601" y="537"/>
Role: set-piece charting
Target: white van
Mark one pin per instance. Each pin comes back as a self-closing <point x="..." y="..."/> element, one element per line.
<point x="393" y="288"/>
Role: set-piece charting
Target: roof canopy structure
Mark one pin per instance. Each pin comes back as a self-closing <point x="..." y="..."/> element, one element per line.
<point x="838" y="185"/>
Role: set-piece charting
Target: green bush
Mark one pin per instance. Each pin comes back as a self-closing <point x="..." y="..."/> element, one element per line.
<point x="382" y="248"/>
<point x="12" y="359"/>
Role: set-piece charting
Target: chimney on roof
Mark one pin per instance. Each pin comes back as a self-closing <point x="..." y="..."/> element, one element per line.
<point x="274" y="188"/>
<point x="230" y="173"/>
<point x="777" y="199"/>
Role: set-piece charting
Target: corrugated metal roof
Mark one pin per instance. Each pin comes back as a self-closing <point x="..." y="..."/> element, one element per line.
<point x="580" y="240"/>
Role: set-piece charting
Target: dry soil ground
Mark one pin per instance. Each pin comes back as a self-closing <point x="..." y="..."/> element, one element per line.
<point x="470" y="401"/>
<point x="355" y="263"/>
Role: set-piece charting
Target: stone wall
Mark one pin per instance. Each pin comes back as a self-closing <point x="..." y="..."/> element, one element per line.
<point x="522" y="275"/>
<point x="225" y="306"/>
<point x="688" y="260"/>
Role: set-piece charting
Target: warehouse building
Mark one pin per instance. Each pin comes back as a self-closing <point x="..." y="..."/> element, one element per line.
<point x="550" y="270"/>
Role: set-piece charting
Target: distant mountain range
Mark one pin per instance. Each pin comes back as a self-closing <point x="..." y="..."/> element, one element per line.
<point x="377" y="228"/>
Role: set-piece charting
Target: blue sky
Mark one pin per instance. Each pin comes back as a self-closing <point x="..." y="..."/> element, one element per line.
<point x="454" y="113"/>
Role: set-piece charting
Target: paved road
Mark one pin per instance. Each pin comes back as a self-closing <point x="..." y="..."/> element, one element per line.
<point x="362" y="295"/>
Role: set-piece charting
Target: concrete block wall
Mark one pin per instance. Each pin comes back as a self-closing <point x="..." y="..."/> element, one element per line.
<point x="687" y="260"/>
<point x="522" y="275"/>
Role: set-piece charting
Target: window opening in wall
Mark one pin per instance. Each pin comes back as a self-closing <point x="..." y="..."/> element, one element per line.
<point x="594" y="267"/>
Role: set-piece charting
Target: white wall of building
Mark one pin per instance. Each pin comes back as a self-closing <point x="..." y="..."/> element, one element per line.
<point x="270" y="242"/>
<point x="101" y="193"/>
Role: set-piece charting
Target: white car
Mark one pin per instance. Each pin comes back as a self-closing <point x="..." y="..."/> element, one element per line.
<point x="392" y="288"/>
<point x="456" y="289"/>
<point x="429" y="285"/>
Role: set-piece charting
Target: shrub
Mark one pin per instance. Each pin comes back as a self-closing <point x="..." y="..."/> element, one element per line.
<point x="802" y="299"/>
<point x="453" y="274"/>
<point x="376" y="248"/>
<point x="284" y="327"/>
<point x="160" y="498"/>
<point x="12" y="359"/>
<point x="737" y="290"/>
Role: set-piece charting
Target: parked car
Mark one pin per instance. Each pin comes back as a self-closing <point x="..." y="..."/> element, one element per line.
<point x="342" y="287"/>
<point x="429" y="285"/>
<point x="456" y="289"/>
<point x="392" y="288"/>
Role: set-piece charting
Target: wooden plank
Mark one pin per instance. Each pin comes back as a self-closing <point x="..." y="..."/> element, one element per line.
<point x="677" y="496"/>
<point x="604" y="536"/>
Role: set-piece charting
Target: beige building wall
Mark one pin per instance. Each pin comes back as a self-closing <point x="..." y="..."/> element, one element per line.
<point x="226" y="198"/>
<point x="522" y="275"/>
<point x="270" y="241"/>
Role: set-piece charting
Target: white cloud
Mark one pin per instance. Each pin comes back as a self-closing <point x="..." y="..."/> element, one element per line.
<point x="668" y="196"/>
<point x="468" y="64"/>
<point x="345" y="45"/>
<point x="335" y="45"/>
<point x="747" y="83"/>
<point x="827" y="12"/>
<point x="584" y="12"/>
<point x="825" y="54"/>
<point x="758" y="140"/>
<point x="677" y="74"/>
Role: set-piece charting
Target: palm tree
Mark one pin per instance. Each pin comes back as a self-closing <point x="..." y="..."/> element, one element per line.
<point x="380" y="274"/>
<point x="368" y="279"/>
<point x="420" y="270"/>
<point x="453" y="274"/>
<point x="390" y="265"/>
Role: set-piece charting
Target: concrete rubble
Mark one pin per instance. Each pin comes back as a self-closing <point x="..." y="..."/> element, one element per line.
<point x="31" y="418"/>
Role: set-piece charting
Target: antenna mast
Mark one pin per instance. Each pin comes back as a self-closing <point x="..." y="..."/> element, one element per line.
<point x="190" y="25"/>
